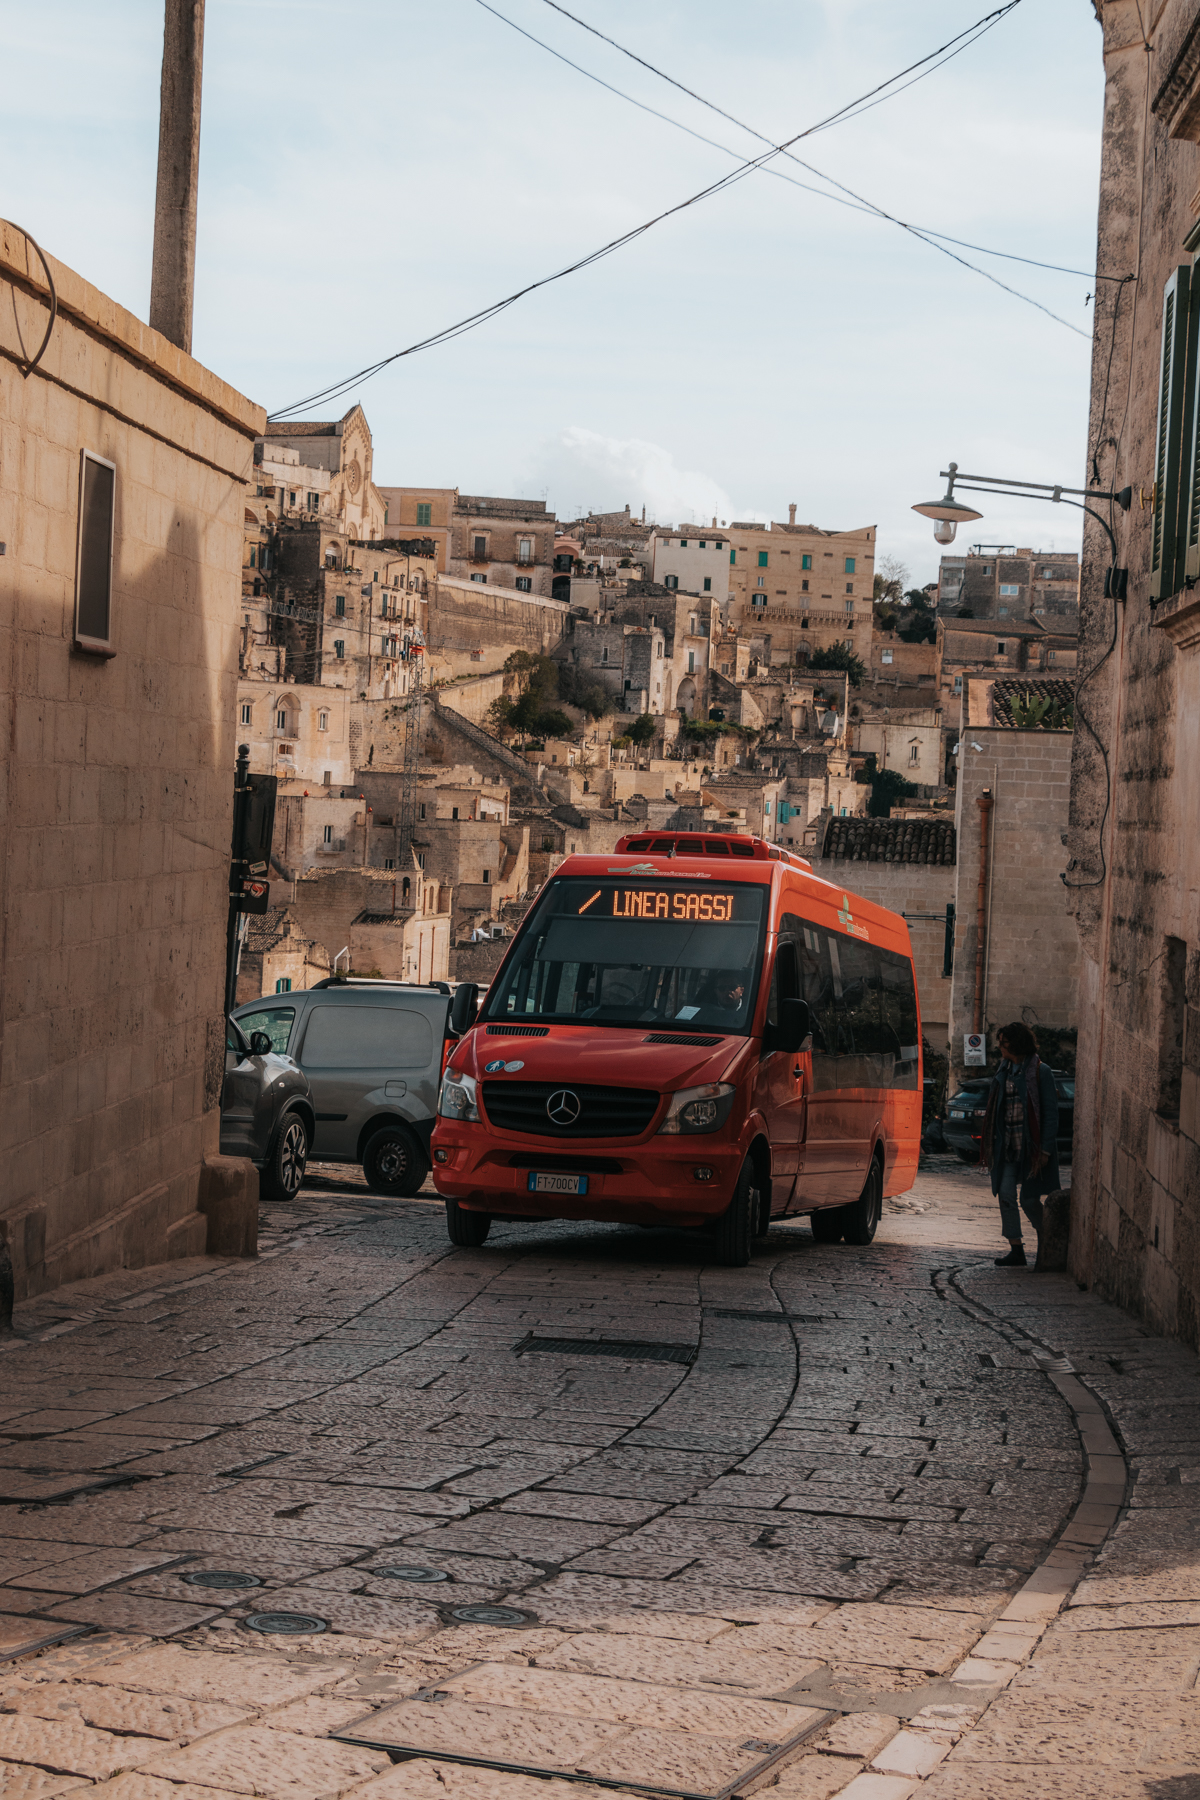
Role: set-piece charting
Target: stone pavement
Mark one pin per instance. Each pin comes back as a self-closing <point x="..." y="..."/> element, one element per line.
<point x="871" y="1523"/>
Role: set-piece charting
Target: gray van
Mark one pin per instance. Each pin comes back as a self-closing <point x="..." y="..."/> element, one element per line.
<point x="372" y="1052"/>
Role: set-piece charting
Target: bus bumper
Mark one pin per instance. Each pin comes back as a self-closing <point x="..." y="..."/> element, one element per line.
<point x="667" y="1181"/>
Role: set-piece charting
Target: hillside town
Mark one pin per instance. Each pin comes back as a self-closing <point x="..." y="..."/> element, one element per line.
<point x="600" y="1103"/>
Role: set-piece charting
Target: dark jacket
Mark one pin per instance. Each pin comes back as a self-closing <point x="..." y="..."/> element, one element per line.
<point x="1047" y="1178"/>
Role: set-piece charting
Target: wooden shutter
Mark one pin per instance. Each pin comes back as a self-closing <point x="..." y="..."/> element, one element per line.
<point x="1166" y="562"/>
<point x="1189" y="478"/>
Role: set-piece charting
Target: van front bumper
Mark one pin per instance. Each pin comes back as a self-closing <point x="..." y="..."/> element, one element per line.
<point x="678" y="1181"/>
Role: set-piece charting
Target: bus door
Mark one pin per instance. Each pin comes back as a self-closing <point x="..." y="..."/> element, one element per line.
<point x="838" y="1141"/>
<point x="780" y="1089"/>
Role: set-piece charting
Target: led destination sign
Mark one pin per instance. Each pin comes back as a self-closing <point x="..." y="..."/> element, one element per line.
<point x="660" y="903"/>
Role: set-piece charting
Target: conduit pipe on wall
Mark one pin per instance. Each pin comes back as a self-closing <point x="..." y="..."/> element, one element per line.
<point x="984" y="803"/>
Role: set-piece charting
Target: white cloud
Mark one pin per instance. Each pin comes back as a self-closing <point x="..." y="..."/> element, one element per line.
<point x="584" y="471"/>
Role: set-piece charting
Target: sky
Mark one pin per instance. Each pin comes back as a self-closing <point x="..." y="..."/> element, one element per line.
<point x="375" y="170"/>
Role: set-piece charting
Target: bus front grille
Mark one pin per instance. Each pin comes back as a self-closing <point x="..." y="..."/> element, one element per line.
<point x="559" y="1109"/>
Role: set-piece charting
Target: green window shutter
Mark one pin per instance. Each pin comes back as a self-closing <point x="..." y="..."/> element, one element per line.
<point x="806" y="562"/>
<point x="733" y="556"/>
<point x="1166" y="572"/>
<point x="1189" y="478"/>
<point x="849" y="565"/>
<point x="762" y="559"/>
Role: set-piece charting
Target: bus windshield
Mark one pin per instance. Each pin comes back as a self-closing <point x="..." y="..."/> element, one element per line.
<point x="683" y="955"/>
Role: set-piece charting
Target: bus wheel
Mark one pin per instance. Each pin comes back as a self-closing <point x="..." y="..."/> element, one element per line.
<point x="829" y="1224"/>
<point x="735" y="1227"/>
<point x="466" y="1229"/>
<point x="861" y="1219"/>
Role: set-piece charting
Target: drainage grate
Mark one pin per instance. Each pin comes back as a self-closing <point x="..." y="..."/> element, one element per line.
<point x="283" y="1624"/>
<point x="765" y="1318"/>
<point x="628" y="1349"/>
<point x="221" y="1578"/>
<point x="410" y="1572"/>
<point x="490" y="1615"/>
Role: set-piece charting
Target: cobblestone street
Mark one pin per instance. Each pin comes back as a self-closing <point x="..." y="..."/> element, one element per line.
<point x="353" y="1518"/>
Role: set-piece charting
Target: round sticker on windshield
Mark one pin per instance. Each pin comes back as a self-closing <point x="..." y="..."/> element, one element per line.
<point x="511" y="1068"/>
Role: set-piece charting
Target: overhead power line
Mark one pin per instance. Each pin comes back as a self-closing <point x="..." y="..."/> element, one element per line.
<point x="339" y="388"/>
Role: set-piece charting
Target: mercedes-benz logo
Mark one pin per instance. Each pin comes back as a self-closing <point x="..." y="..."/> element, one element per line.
<point x="563" y="1107"/>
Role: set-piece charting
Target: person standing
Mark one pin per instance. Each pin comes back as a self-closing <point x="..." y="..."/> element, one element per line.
<point x="1020" y="1136"/>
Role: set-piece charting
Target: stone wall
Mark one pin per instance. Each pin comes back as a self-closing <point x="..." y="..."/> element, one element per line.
<point x="1031" y="959"/>
<point x="116" y="803"/>
<point x="473" y="625"/>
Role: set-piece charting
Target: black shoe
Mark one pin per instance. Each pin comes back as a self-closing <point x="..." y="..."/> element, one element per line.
<point x="1014" y="1260"/>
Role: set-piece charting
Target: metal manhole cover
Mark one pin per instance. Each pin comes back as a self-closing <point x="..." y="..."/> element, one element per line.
<point x="410" y="1572"/>
<point x="628" y="1349"/>
<point x="283" y="1624"/>
<point x="490" y="1615"/>
<point x="221" y="1578"/>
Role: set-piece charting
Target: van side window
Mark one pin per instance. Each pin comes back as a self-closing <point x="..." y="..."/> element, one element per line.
<point x="864" y="1006"/>
<point x="277" y="1023"/>
<point x="343" y="1035"/>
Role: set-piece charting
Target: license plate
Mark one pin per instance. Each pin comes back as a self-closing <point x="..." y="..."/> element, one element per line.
<point x="557" y="1184"/>
<point x="957" y="1115"/>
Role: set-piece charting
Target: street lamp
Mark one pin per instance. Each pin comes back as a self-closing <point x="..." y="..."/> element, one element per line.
<point x="948" y="513"/>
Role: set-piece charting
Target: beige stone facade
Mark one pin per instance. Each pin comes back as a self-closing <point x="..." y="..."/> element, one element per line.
<point x="117" y="799"/>
<point x="503" y="543"/>
<point x="802" y="588"/>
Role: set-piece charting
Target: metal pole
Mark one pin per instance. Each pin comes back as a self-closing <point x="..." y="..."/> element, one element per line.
<point x="237" y="870"/>
<point x="173" y="272"/>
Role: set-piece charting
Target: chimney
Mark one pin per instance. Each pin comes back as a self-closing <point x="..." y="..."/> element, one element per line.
<point x="792" y="513"/>
<point x="714" y="519"/>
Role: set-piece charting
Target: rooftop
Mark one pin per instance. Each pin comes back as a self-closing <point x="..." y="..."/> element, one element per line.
<point x="1056" y="692"/>
<point x="929" y="840"/>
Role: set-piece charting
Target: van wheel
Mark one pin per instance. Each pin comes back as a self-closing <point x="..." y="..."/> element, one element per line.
<point x="393" y="1163"/>
<point x="466" y="1229"/>
<point x="859" y="1221"/>
<point x="829" y="1224"/>
<point x="283" y="1170"/>
<point x="736" y="1225"/>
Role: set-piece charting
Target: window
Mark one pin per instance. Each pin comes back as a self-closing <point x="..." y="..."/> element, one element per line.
<point x="1009" y="587"/>
<point x="733" y="556"/>
<point x="487" y="875"/>
<point x="804" y="587"/>
<point x="247" y="713"/>
<point x="704" y="543"/>
<point x="683" y="543"/>
<point x="1002" y="612"/>
<point x="914" y="753"/>
<point x="454" y="812"/>
<point x="93" y="555"/>
<point x="720" y="544"/>
<point x="691" y="668"/>
<point x="524" y="584"/>
<point x="1171" y="520"/>
<point x="604" y="654"/>
<point x="986" y="569"/>
<point x="339" y="648"/>
<point x="389" y="862"/>
<point x="276" y="1022"/>
<point x="1051" y="656"/>
<point x="480" y="549"/>
<point x="281" y="720"/>
<point x="806" y="562"/>
<point x="283" y="985"/>
<point x="958" y="684"/>
<point x="766" y="809"/>
<point x="692" y="625"/>
<point x="849" y="606"/>
<point x="424" y="513"/>
<point x="671" y="582"/>
<point x="421" y="809"/>
<point x="339" y="607"/>
<point x="314" y="501"/>
<point x="524" y="550"/>
<point x="708" y="584"/>
<point x="762" y="559"/>
<point x="322" y="721"/>
<point x="887" y="656"/>
<point x="761" y="581"/>
<point x="253" y="557"/>
<point x="660" y="648"/>
<point x="850" y="565"/>
<point x="849" y="587"/>
<point x="1000" y="647"/>
<point x="328" y="837"/>
<point x="479" y="578"/>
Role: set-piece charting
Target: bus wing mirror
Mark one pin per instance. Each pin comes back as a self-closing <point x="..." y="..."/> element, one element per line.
<point x="795" y="1024"/>
<point x="463" y="1007"/>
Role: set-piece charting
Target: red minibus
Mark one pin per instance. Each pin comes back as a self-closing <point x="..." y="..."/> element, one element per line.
<point x="693" y="1031"/>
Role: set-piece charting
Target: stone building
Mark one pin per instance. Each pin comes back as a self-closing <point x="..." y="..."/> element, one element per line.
<point x="126" y="466"/>
<point x="988" y="648"/>
<point x="999" y="581"/>
<point x="692" y="559"/>
<point x="801" y="588"/>
<point x="1134" y="870"/>
<point x="421" y="512"/>
<point x="502" y="543"/>
<point x="343" y="449"/>
<point x="277" y="957"/>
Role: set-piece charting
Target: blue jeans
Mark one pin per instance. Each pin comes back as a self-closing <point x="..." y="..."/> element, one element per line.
<point x="1031" y="1205"/>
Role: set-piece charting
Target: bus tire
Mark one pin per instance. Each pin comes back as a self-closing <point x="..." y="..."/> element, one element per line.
<point x="735" y="1227"/>
<point x="829" y="1224"/>
<point x="466" y="1229"/>
<point x="861" y="1220"/>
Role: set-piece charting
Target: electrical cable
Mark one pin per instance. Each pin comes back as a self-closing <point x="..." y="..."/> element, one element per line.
<point x="857" y="202"/>
<point x="484" y="314"/>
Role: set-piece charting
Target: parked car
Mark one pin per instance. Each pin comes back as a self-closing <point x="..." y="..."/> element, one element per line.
<point x="372" y="1053"/>
<point x="962" y="1127"/>
<point x="266" y="1111"/>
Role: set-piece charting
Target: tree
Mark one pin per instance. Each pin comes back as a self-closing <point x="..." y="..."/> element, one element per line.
<point x="642" y="729"/>
<point x="890" y="577"/>
<point x="887" y="786"/>
<point x="838" y="657"/>
<point x="577" y="690"/>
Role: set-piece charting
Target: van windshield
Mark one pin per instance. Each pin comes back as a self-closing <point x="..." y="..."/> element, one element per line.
<point x="683" y="955"/>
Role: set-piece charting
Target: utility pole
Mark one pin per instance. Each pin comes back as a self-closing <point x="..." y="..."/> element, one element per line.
<point x="173" y="275"/>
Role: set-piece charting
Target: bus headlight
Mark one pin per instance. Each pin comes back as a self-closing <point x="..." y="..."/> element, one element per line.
<point x="698" y="1109"/>
<point x="458" y="1099"/>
